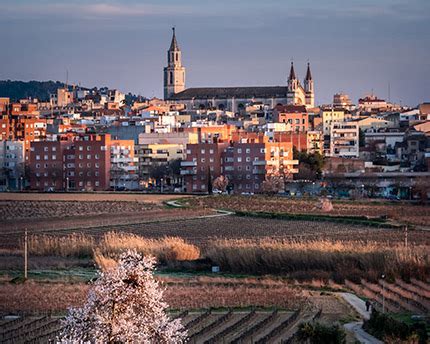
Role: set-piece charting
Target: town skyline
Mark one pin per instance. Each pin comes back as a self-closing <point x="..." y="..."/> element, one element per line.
<point x="220" y="48"/>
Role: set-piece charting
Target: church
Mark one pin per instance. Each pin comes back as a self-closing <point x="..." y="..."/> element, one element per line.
<point x="231" y="98"/>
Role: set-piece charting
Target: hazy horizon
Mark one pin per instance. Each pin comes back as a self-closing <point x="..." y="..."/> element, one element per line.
<point x="353" y="47"/>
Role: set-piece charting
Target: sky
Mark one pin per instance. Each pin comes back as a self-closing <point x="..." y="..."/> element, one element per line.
<point x="354" y="46"/>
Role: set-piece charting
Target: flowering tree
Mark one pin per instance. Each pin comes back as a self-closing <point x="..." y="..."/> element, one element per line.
<point x="124" y="306"/>
<point x="221" y="183"/>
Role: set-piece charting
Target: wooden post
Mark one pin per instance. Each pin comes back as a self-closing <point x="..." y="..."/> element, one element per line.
<point x="25" y="255"/>
<point x="406" y="236"/>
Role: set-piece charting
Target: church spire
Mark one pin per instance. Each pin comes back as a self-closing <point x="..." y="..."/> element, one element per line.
<point x="292" y="72"/>
<point x="308" y="72"/>
<point x="174" y="44"/>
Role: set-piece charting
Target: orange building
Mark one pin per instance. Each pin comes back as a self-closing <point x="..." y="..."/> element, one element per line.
<point x="295" y="116"/>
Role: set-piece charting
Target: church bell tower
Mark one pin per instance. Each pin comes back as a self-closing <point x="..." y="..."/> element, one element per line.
<point x="174" y="73"/>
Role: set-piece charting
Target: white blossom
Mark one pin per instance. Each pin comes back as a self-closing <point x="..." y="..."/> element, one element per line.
<point x="124" y="306"/>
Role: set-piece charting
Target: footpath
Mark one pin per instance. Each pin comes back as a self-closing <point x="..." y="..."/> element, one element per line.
<point x="356" y="327"/>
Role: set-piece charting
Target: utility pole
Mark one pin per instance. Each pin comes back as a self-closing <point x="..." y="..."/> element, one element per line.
<point x="383" y="294"/>
<point x="406" y="236"/>
<point x="25" y="255"/>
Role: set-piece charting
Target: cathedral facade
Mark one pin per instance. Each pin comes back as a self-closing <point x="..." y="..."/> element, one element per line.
<point x="232" y="98"/>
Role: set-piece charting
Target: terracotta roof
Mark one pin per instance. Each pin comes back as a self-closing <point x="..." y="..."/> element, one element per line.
<point x="230" y="92"/>
<point x="291" y="108"/>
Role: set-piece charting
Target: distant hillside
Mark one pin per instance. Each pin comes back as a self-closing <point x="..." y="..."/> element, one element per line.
<point x="17" y="90"/>
<point x="35" y="89"/>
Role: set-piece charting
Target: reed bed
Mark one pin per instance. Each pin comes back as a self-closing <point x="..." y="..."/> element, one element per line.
<point x="107" y="249"/>
<point x="340" y="259"/>
<point x="73" y="245"/>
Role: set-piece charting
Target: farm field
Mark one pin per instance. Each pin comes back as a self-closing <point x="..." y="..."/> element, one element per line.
<point x="266" y="263"/>
<point x="206" y="326"/>
<point x="404" y="213"/>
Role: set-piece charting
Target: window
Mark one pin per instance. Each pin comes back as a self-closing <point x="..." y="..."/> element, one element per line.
<point x="89" y="165"/>
<point x="37" y="165"/>
<point x="239" y="159"/>
<point x="96" y="173"/>
<point x="88" y="156"/>
<point x="88" y="148"/>
<point x="45" y="157"/>
<point x="203" y="151"/>
<point x="97" y="165"/>
<point x="248" y="159"/>
<point x="97" y="183"/>
<point x="248" y="150"/>
<point x="45" y="149"/>
<point x="81" y="183"/>
<point x="202" y="159"/>
<point x="81" y="156"/>
<point x="54" y="157"/>
<point x="37" y="157"/>
<point x="211" y="151"/>
<point x="81" y="148"/>
<point x="96" y="156"/>
<point x="54" y="149"/>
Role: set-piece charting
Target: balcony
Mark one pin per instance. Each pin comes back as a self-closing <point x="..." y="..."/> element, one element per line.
<point x="188" y="172"/>
<point x="259" y="163"/>
<point x="258" y="171"/>
<point x="188" y="163"/>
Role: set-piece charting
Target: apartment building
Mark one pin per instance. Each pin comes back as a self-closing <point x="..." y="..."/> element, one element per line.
<point x="124" y="167"/>
<point x="202" y="164"/>
<point x="329" y="116"/>
<point x="11" y="165"/>
<point x="245" y="162"/>
<point x="295" y="117"/>
<point x="344" y="140"/>
<point x="71" y="163"/>
<point x="315" y="142"/>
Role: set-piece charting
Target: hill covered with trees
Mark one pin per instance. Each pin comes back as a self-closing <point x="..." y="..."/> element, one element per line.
<point x="16" y="90"/>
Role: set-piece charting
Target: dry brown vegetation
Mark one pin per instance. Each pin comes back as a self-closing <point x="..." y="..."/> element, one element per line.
<point x="105" y="250"/>
<point x="299" y="258"/>
<point x="57" y="297"/>
<point x="329" y="259"/>
<point x="402" y="212"/>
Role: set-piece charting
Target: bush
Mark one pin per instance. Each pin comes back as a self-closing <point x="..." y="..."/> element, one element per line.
<point x="316" y="333"/>
<point x="383" y="326"/>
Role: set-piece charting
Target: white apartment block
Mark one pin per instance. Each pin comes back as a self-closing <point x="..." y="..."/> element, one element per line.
<point x="11" y="165"/>
<point x="344" y="140"/>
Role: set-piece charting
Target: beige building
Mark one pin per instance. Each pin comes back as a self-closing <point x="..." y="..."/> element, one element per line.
<point x="315" y="141"/>
<point x="344" y="140"/>
<point x="330" y="116"/>
<point x="174" y="73"/>
<point x="373" y="123"/>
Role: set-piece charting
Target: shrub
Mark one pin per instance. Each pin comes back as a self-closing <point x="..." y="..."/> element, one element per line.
<point x="316" y="333"/>
<point x="72" y="245"/>
<point x="384" y="327"/>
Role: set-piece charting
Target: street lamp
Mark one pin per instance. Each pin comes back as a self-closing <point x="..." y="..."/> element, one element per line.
<point x="161" y="187"/>
<point x="67" y="184"/>
<point x="21" y="183"/>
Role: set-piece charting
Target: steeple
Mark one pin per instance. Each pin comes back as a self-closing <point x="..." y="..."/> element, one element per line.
<point x="308" y="72"/>
<point x="174" y="73"/>
<point x="292" y="72"/>
<point x="174" y="44"/>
